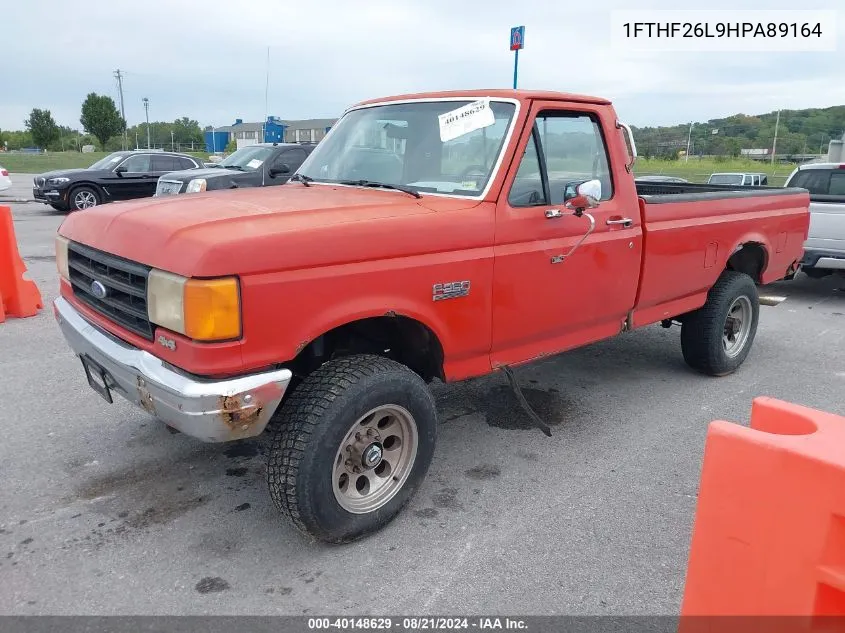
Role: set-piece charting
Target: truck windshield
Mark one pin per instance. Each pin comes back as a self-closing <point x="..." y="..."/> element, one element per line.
<point x="725" y="179"/>
<point x="248" y="158"/>
<point x="449" y="147"/>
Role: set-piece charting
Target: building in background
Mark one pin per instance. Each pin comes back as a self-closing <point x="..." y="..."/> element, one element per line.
<point x="273" y="130"/>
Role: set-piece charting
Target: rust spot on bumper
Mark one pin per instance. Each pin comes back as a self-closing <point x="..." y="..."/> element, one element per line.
<point x="237" y="414"/>
<point x="243" y="411"/>
<point x="145" y="398"/>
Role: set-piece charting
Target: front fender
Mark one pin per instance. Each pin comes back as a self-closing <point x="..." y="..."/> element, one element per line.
<point x="284" y="312"/>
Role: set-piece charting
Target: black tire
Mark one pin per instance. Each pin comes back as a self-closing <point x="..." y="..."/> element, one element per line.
<point x="312" y="424"/>
<point x="83" y="190"/>
<point x="702" y="331"/>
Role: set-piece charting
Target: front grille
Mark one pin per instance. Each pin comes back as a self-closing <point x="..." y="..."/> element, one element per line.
<point x="168" y="187"/>
<point x="125" y="282"/>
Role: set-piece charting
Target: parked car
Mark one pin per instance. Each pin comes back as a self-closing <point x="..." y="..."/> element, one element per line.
<point x="118" y="176"/>
<point x="738" y="179"/>
<point x="667" y="179"/>
<point x="259" y="165"/>
<point x="327" y="304"/>
<point x="5" y="179"/>
<point x="824" y="250"/>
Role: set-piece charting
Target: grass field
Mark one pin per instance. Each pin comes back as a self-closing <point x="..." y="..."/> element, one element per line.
<point x="39" y="163"/>
<point x="695" y="170"/>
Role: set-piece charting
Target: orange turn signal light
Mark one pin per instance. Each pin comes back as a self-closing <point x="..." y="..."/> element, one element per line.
<point x="212" y="309"/>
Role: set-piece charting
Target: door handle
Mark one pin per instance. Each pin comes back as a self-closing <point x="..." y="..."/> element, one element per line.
<point x="551" y="214"/>
<point x="625" y="222"/>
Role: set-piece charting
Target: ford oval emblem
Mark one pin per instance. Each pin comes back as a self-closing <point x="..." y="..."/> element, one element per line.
<point x="98" y="290"/>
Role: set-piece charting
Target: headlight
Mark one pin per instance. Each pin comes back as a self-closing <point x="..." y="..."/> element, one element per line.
<point x="196" y="185"/>
<point x="58" y="181"/>
<point x="201" y="309"/>
<point x="61" y="257"/>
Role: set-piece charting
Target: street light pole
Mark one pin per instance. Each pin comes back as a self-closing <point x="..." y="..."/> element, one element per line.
<point x="775" y="142"/>
<point x="147" y="111"/>
<point x="172" y="146"/>
<point x="689" y="140"/>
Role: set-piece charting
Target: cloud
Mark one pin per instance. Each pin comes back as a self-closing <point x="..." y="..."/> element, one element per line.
<point x="207" y="59"/>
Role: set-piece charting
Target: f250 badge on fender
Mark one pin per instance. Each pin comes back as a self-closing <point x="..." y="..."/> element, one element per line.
<point x="451" y="290"/>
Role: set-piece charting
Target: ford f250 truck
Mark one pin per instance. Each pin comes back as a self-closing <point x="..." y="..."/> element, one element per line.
<point x="445" y="235"/>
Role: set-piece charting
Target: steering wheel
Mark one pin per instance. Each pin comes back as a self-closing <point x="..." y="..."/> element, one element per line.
<point x="474" y="171"/>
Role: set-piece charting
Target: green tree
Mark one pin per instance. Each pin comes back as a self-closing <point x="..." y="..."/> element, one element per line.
<point x="42" y="127"/>
<point x="18" y="139"/>
<point x="101" y="118"/>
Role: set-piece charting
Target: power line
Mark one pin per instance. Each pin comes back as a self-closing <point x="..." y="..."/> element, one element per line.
<point x="119" y="76"/>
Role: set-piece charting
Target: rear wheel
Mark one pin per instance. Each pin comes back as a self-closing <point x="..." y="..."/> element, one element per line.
<point x="354" y="442"/>
<point x="83" y="198"/>
<point x="716" y="338"/>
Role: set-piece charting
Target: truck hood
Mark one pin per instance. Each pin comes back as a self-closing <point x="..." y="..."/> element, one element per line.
<point x="245" y="231"/>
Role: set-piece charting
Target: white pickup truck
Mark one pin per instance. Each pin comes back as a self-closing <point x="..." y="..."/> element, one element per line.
<point x="824" y="250"/>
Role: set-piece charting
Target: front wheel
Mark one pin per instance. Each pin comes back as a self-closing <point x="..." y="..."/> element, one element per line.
<point x="716" y="338"/>
<point x="83" y="198"/>
<point x="354" y="442"/>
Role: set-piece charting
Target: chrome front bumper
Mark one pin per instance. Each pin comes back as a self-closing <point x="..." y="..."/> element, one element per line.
<point x="209" y="410"/>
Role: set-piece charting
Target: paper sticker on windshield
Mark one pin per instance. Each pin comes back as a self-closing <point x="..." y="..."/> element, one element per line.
<point x="469" y="118"/>
<point x="254" y="163"/>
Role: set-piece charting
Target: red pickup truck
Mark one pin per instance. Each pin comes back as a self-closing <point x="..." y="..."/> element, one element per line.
<point x="445" y="235"/>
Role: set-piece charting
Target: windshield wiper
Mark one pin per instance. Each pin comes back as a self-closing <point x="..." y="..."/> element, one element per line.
<point x="382" y="185"/>
<point x="305" y="180"/>
<point x="235" y="167"/>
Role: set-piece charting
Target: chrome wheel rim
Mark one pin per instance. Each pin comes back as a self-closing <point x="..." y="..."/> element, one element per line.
<point x="374" y="459"/>
<point x="737" y="326"/>
<point x="84" y="200"/>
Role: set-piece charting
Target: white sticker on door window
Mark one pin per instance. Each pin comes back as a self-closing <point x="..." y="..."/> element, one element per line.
<point x="471" y="117"/>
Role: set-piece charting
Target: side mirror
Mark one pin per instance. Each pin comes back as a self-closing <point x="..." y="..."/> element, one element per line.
<point x="121" y="170"/>
<point x="581" y="196"/>
<point x="284" y="168"/>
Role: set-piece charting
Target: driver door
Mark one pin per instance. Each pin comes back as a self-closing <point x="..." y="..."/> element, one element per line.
<point x="546" y="297"/>
<point x="134" y="182"/>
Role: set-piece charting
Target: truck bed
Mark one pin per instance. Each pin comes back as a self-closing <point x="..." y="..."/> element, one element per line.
<point x="690" y="232"/>
<point x="655" y="192"/>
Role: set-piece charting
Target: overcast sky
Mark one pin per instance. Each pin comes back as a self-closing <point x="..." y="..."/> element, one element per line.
<point x="207" y="59"/>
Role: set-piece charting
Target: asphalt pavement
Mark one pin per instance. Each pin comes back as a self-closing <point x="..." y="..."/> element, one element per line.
<point x="104" y="511"/>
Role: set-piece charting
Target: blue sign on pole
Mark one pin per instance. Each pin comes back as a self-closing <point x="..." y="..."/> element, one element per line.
<point x="517" y="38"/>
<point x="517" y="42"/>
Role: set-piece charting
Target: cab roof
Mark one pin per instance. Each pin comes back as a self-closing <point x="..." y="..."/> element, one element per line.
<point x="498" y="93"/>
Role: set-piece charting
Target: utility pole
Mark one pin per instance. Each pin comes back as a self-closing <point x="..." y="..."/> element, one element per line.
<point x="775" y="142"/>
<point x="147" y="111"/>
<point x="689" y="141"/>
<point x="266" y="99"/>
<point x="172" y="146"/>
<point x="119" y="76"/>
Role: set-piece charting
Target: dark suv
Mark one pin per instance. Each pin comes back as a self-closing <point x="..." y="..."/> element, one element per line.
<point x="259" y="165"/>
<point x="118" y="176"/>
